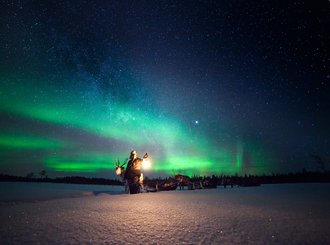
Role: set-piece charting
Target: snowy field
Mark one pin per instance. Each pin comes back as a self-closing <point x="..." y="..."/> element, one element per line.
<point x="39" y="213"/>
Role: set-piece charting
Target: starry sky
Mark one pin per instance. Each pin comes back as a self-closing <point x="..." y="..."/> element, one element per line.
<point x="205" y="87"/>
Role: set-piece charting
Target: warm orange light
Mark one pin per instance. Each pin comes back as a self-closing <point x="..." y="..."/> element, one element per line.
<point x="146" y="164"/>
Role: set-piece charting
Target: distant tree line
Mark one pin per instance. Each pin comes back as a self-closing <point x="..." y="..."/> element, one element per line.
<point x="224" y="180"/>
<point x="252" y="180"/>
<point x="69" y="179"/>
<point x="255" y="180"/>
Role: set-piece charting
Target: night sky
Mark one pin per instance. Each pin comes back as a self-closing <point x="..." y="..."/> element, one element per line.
<point x="205" y="87"/>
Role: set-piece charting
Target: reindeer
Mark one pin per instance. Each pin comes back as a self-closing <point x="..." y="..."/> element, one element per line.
<point x="183" y="180"/>
<point x="120" y="171"/>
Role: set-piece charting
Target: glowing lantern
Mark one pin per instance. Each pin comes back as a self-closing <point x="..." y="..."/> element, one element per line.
<point x="146" y="164"/>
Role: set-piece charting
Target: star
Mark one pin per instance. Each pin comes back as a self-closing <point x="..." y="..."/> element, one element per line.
<point x="106" y="94"/>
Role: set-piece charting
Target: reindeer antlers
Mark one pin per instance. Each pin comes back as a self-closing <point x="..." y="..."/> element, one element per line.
<point x="118" y="164"/>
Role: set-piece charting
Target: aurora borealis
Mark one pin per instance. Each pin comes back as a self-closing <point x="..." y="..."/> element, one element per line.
<point x="203" y="87"/>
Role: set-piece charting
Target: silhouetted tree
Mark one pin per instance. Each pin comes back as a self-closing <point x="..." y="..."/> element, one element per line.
<point x="319" y="162"/>
<point x="30" y="175"/>
<point x="42" y="174"/>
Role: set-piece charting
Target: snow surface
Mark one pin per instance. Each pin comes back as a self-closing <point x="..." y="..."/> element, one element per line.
<point x="40" y="213"/>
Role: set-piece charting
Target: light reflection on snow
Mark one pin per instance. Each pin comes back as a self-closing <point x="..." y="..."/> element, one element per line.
<point x="261" y="215"/>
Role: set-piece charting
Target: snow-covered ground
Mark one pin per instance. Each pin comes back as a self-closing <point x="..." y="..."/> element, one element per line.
<point x="39" y="213"/>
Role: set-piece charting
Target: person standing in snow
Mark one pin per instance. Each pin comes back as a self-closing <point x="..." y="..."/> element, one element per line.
<point x="133" y="172"/>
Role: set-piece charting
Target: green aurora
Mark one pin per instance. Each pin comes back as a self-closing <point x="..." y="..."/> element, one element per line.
<point x="84" y="83"/>
<point x="173" y="148"/>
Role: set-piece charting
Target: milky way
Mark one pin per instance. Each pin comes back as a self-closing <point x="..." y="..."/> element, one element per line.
<point x="203" y="87"/>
